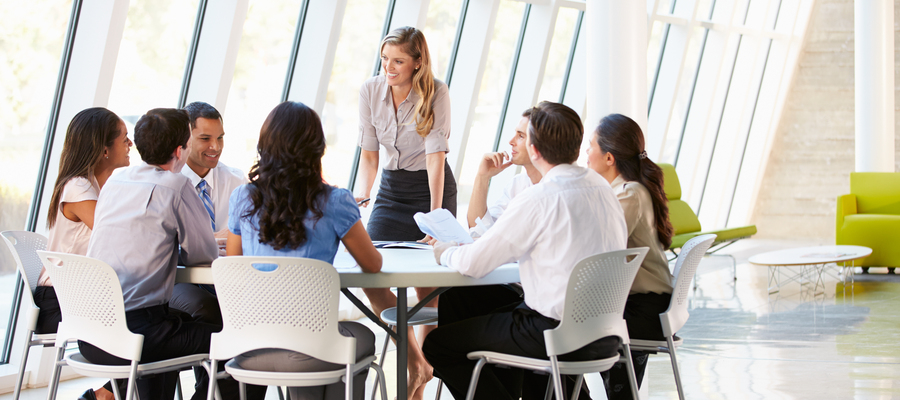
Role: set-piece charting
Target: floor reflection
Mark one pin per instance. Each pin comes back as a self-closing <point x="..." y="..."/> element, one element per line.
<point x="741" y="342"/>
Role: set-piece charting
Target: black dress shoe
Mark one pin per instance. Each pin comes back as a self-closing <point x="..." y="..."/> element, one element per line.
<point x="88" y="395"/>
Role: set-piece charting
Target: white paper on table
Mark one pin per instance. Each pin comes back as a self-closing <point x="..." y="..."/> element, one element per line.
<point x="443" y="226"/>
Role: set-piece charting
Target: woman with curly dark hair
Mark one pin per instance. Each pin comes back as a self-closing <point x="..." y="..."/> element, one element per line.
<point x="617" y="153"/>
<point x="288" y="210"/>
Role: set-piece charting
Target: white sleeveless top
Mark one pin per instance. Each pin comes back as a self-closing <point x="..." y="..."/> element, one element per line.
<point x="67" y="236"/>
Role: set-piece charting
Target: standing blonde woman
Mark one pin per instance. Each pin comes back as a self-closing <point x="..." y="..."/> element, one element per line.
<point x="406" y="111"/>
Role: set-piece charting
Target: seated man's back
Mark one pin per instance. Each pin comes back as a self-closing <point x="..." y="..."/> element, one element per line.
<point x="140" y="223"/>
<point x="570" y="215"/>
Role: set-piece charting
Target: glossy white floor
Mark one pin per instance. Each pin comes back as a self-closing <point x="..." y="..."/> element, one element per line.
<point x="741" y="343"/>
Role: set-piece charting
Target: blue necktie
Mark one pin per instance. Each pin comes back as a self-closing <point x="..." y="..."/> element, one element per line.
<point x="207" y="202"/>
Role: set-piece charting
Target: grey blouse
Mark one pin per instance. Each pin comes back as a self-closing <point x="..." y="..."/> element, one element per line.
<point x="396" y="132"/>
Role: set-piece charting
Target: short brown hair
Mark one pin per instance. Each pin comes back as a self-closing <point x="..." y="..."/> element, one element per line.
<point x="556" y="131"/>
<point x="159" y="132"/>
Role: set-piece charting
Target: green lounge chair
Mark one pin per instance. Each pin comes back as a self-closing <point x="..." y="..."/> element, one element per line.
<point x="687" y="226"/>
<point x="870" y="216"/>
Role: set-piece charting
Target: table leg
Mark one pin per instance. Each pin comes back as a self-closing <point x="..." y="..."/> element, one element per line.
<point x="773" y="279"/>
<point x="402" y="343"/>
<point x="401" y="334"/>
<point x="365" y="310"/>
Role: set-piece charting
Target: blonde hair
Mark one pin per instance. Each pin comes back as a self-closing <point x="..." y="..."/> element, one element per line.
<point x="412" y="42"/>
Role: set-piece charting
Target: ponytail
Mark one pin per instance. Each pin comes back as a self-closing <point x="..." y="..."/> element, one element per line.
<point x="621" y="136"/>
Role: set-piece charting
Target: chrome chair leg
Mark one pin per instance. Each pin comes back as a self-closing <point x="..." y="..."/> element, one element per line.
<point x="578" y="384"/>
<point x="629" y="366"/>
<point x="381" y="359"/>
<point x="379" y="377"/>
<point x="675" y="367"/>
<point x="557" y="378"/>
<point x="54" y="375"/>
<point x="474" y="382"/>
<point x="21" y="377"/>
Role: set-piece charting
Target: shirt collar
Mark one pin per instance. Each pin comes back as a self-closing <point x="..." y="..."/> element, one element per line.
<point x="560" y="170"/>
<point x="618" y="182"/>
<point x="412" y="97"/>
<point x="195" y="179"/>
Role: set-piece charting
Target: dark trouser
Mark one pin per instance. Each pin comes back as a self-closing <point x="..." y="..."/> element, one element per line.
<point x="198" y="301"/>
<point x="168" y="334"/>
<point x="50" y="315"/>
<point x="201" y="303"/>
<point x="642" y="316"/>
<point x="514" y="328"/>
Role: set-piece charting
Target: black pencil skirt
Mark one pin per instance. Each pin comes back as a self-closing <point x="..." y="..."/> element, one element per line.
<point x="400" y="196"/>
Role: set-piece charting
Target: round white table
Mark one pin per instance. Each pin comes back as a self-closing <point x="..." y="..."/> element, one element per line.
<point x="402" y="269"/>
<point x="811" y="261"/>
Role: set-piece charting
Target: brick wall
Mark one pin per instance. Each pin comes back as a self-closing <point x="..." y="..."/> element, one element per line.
<point x="813" y="152"/>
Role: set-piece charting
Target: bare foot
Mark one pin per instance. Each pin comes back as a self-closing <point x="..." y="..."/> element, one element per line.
<point x="103" y="394"/>
<point x="419" y="375"/>
<point x="420" y="393"/>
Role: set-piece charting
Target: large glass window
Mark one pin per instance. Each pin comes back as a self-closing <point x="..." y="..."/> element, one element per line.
<point x="690" y="64"/>
<point x="259" y="75"/>
<point x="494" y="83"/>
<point x="357" y="51"/>
<point x="558" y="56"/>
<point x="150" y="64"/>
<point x="717" y="119"/>
<point x="440" y="32"/>
<point x="29" y="64"/>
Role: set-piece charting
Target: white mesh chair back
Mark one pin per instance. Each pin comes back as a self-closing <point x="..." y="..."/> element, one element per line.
<point x="90" y="298"/>
<point x="293" y="307"/>
<point x="595" y="300"/>
<point x="24" y="246"/>
<point x="685" y="267"/>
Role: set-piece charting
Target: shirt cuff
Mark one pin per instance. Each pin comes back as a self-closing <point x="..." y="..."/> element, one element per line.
<point x="481" y="226"/>
<point x="445" y="257"/>
<point x="436" y="142"/>
<point x="368" y="142"/>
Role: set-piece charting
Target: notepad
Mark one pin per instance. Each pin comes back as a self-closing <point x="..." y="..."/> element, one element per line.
<point x="443" y="226"/>
<point x="402" y="245"/>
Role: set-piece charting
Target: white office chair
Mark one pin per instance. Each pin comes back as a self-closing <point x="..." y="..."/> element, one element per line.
<point x="595" y="301"/>
<point x="24" y="246"/>
<point x="675" y="317"/>
<point x="425" y="316"/>
<point x="293" y="307"/>
<point x="90" y="298"/>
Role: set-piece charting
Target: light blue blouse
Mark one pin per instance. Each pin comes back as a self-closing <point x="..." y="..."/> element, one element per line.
<point x="322" y="236"/>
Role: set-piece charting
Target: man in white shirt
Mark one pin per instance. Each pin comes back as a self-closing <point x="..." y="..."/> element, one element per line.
<point x="471" y="301"/>
<point x="205" y="170"/>
<point x="148" y="217"/>
<point x="571" y="214"/>
<point x="213" y="182"/>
